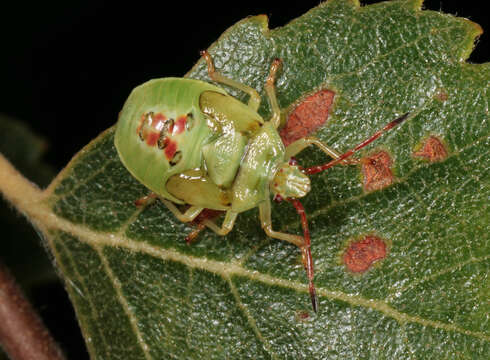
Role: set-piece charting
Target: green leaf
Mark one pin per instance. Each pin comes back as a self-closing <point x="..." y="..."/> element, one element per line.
<point x="141" y="292"/>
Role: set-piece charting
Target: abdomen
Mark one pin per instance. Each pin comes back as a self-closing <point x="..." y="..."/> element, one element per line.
<point x="161" y="131"/>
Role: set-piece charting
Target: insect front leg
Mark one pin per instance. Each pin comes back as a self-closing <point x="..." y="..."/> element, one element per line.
<point x="301" y="144"/>
<point x="227" y="225"/>
<point x="266" y="223"/>
<point x="146" y="200"/>
<point x="189" y="215"/>
<point x="253" y="102"/>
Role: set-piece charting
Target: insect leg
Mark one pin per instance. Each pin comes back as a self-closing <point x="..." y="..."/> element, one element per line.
<point x="266" y="222"/>
<point x="299" y="145"/>
<point x="146" y="200"/>
<point x="306" y="251"/>
<point x="270" y="89"/>
<point x="206" y="214"/>
<point x="227" y="225"/>
<point x="302" y="242"/>
<point x="254" y="100"/>
<point x="189" y="215"/>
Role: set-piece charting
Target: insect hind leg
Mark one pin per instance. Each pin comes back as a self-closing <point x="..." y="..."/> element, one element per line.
<point x="227" y="225"/>
<point x="189" y="215"/>
<point x="146" y="200"/>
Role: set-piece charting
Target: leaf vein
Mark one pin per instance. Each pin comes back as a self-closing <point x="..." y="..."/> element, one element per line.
<point x="250" y="319"/>
<point x="322" y="210"/>
<point x="80" y="315"/>
<point x="398" y="292"/>
<point x="122" y="299"/>
<point x="43" y="215"/>
<point x="79" y="184"/>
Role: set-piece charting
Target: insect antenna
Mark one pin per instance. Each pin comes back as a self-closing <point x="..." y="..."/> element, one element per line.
<point x="377" y="134"/>
<point x="306" y="250"/>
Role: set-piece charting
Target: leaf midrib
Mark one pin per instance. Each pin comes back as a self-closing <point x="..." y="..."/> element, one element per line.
<point x="227" y="270"/>
<point x="43" y="217"/>
<point x="33" y="203"/>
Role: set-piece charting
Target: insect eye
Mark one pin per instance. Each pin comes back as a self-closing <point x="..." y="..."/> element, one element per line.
<point x="189" y="124"/>
<point x="177" y="157"/>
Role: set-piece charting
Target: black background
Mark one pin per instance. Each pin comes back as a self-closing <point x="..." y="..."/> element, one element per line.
<point x="66" y="68"/>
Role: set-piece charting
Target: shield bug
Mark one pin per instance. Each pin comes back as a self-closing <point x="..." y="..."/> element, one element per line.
<point x="196" y="148"/>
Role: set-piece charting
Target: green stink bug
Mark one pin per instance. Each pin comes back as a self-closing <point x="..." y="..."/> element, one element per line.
<point x="193" y="144"/>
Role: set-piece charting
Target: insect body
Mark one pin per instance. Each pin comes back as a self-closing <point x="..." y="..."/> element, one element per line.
<point x="193" y="144"/>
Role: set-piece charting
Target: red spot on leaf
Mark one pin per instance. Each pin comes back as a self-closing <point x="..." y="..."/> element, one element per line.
<point x="179" y="125"/>
<point x="361" y="254"/>
<point x="376" y="171"/>
<point x="170" y="148"/>
<point x="432" y="149"/>
<point x="307" y="117"/>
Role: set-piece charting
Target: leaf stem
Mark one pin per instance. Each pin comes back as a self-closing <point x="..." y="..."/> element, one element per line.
<point x="22" y="334"/>
<point x="17" y="189"/>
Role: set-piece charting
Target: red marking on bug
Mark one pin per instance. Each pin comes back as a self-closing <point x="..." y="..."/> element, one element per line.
<point x="170" y="148"/>
<point x="142" y="121"/>
<point x="308" y="116"/>
<point x="149" y="122"/>
<point x="206" y="214"/>
<point x="158" y="121"/>
<point x="293" y="161"/>
<point x="152" y="138"/>
<point x="179" y="125"/>
<point x="376" y="170"/>
<point x="277" y="198"/>
<point x="361" y="254"/>
<point x="432" y="149"/>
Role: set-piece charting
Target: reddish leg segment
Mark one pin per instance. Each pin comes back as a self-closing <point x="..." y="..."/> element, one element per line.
<point x="306" y="251"/>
